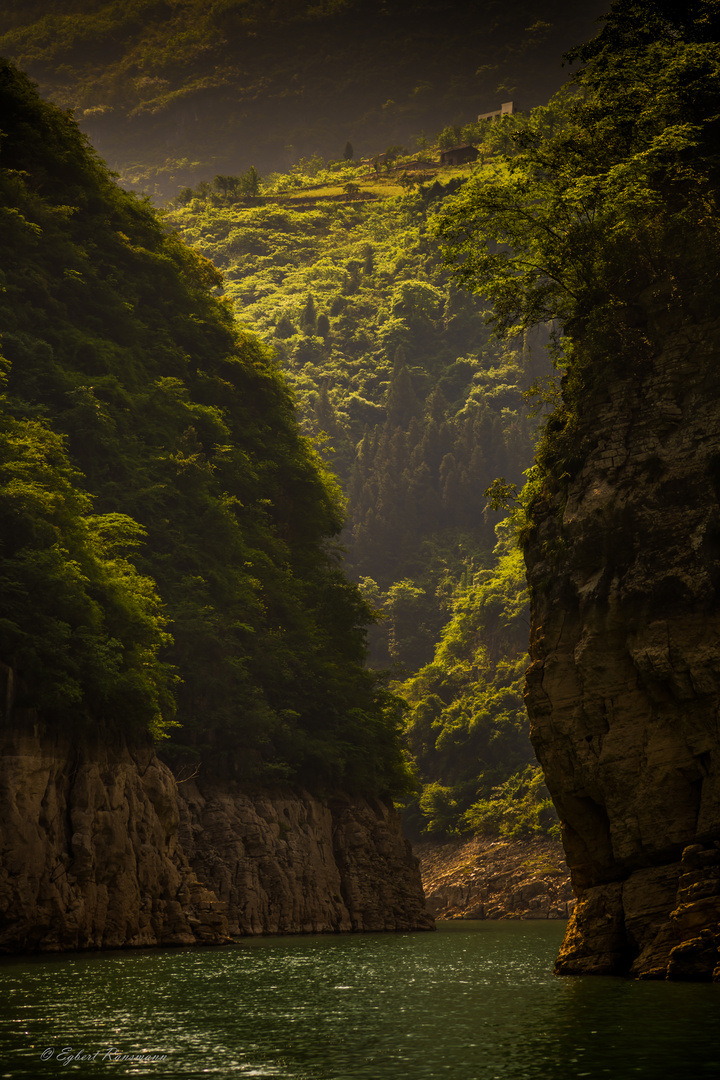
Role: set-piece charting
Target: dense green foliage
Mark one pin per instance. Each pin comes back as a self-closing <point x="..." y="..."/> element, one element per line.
<point x="174" y="90"/>
<point x="155" y="484"/>
<point x="417" y="408"/>
<point x="467" y="728"/>
<point x="606" y="214"/>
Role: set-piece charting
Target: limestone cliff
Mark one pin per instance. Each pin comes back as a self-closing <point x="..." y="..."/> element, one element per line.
<point x="287" y="862"/>
<point x="624" y="687"/>
<point x="98" y="852"/>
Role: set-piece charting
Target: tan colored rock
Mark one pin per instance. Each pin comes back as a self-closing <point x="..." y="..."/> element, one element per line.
<point x="483" y="878"/>
<point x="624" y="686"/>
<point x="97" y="851"/>
<point x="287" y="862"/>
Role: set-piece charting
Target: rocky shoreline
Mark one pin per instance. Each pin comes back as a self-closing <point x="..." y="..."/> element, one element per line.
<point x="483" y="878"/>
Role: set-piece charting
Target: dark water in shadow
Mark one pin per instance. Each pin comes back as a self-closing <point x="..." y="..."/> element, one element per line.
<point x="475" y="1001"/>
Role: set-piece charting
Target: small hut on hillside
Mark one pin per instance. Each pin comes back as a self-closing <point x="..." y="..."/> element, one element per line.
<point x="459" y="155"/>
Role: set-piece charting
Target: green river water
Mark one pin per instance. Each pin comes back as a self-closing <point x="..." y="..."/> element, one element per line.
<point x="474" y="1001"/>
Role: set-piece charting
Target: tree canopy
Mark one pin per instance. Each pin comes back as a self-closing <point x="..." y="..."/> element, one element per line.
<point x="611" y="190"/>
<point x="164" y="518"/>
<point x="604" y="216"/>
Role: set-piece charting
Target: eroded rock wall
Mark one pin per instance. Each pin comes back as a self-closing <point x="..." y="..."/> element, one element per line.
<point x="89" y="851"/>
<point x="624" y="687"/>
<point x="287" y="862"/>
<point x="91" y="855"/>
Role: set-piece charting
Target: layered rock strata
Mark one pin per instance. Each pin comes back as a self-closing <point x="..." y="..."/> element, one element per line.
<point x="624" y="687"/>
<point x="92" y="857"/>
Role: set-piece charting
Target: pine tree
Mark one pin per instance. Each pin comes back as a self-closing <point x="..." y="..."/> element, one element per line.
<point x="402" y="403"/>
<point x="308" y="318"/>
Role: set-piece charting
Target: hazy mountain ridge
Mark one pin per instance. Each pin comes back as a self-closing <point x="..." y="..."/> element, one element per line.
<point x="169" y="92"/>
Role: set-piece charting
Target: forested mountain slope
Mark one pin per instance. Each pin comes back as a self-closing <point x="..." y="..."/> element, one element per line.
<point x="167" y="531"/>
<point x="173" y="91"/>
<point x="417" y="408"/>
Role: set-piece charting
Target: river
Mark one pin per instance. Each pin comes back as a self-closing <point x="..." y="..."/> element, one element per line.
<point x="474" y="1001"/>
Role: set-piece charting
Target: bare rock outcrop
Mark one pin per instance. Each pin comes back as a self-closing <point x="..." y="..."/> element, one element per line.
<point x="624" y="687"/>
<point x="285" y="862"/>
<point x="495" y="879"/>
<point x="91" y="854"/>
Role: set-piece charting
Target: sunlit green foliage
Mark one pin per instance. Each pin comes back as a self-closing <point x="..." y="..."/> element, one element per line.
<point x="417" y="408"/>
<point x="605" y="215"/>
<point x="519" y="808"/>
<point x="156" y="483"/>
<point x="468" y="728"/>
<point x="81" y="629"/>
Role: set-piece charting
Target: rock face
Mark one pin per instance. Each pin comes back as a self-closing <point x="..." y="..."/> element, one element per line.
<point x="92" y="857"/>
<point x="284" y="862"/>
<point x="624" y="687"/>
<point x="496" y="879"/>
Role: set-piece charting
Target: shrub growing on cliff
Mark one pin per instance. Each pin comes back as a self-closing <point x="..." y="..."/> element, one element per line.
<point x="467" y="725"/>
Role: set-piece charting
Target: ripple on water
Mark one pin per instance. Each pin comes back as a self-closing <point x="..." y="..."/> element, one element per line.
<point x="476" y="1000"/>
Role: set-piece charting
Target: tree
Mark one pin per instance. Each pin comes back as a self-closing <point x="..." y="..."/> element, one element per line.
<point x="611" y="188"/>
<point x="284" y="327"/>
<point x="250" y="181"/>
<point x="308" y="318"/>
<point x="368" y="259"/>
<point x="402" y="403"/>
<point x="348" y="152"/>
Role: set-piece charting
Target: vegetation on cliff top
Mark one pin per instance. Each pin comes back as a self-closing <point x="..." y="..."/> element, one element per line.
<point x="163" y="517"/>
<point x="606" y="214"/>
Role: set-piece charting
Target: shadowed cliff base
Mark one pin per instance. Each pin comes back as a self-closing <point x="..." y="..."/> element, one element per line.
<point x="101" y="849"/>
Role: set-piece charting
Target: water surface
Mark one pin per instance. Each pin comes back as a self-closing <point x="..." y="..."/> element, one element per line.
<point x="475" y="1001"/>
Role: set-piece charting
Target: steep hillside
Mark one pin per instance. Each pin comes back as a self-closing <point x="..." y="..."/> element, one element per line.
<point x="417" y="408"/>
<point x="167" y="570"/>
<point x="172" y="91"/>
<point x="148" y="433"/>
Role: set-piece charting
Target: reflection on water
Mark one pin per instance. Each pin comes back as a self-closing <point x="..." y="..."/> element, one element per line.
<point x="476" y="1001"/>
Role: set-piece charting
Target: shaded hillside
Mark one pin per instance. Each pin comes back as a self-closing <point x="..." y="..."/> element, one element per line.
<point x="166" y="531"/>
<point x="172" y="92"/>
